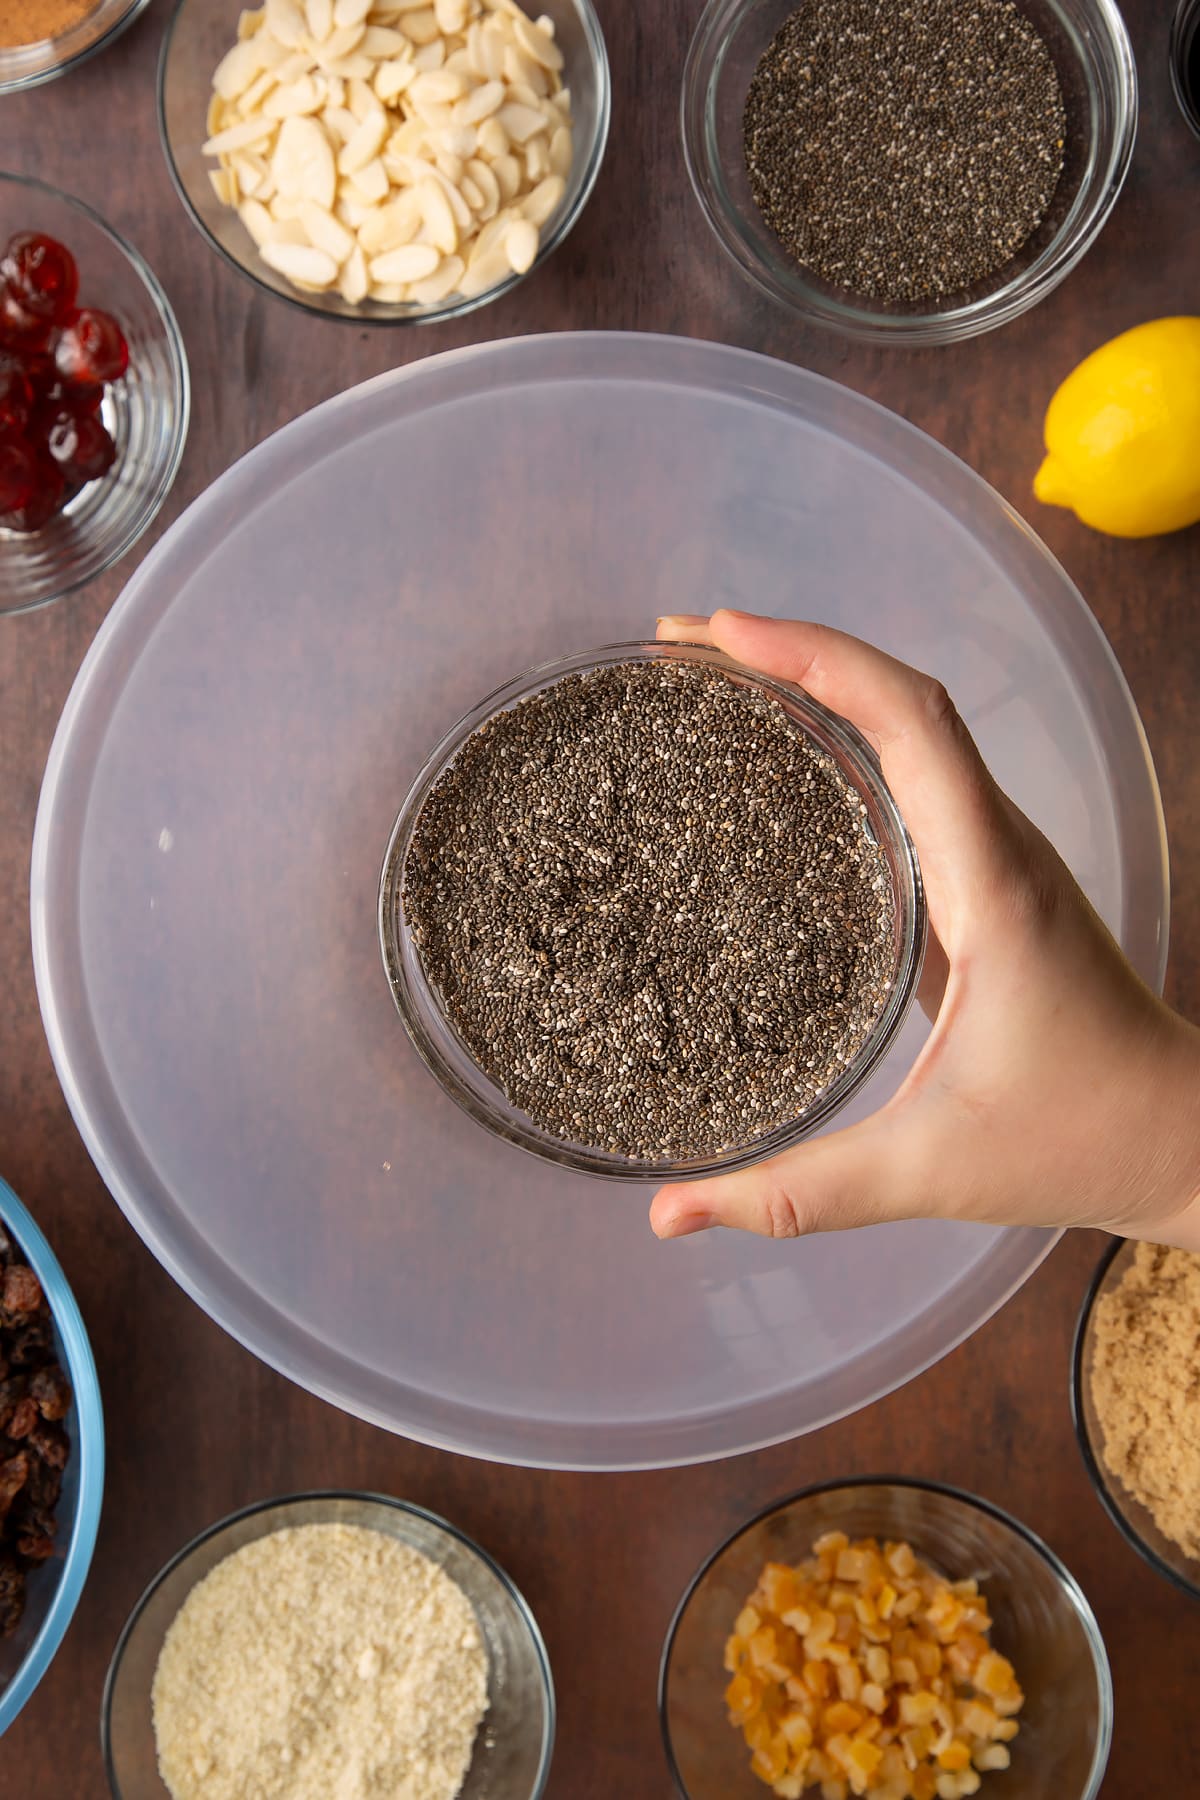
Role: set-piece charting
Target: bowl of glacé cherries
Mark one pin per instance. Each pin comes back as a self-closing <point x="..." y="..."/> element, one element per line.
<point x="93" y="394"/>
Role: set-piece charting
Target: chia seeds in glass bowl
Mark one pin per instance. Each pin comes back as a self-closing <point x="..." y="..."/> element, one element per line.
<point x="648" y="914"/>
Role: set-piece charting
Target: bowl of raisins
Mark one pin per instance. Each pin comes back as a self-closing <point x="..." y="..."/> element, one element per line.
<point x="51" y="1455"/>
<point x="94" y="395"/>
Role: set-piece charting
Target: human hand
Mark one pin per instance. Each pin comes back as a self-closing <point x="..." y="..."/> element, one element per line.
<point x="1055" y="1088"/>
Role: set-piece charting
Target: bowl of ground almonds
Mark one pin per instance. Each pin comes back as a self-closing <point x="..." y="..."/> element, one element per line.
<point x="647" y="914"/>
<point x="1133" y="1384"/>
<point x="40" y="39"/>
<point x="895" y="1639"/>
<point x="910" y="174"/>
<point x="329" y="1644"/>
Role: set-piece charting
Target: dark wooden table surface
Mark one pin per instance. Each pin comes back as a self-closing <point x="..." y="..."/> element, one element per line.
<point x="195" y="1425"/>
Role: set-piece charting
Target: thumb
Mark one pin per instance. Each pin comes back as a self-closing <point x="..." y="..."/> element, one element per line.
<point x="860" y="1176"/>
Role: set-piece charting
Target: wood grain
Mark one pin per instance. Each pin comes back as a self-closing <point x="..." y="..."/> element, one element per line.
<point x="196" y="1426"/>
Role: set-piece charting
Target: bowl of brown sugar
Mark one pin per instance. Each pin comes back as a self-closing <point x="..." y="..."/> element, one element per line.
<point x="647" y="914"/>
<point x="40" y="39"/>
<point x="1134" y="1370"/>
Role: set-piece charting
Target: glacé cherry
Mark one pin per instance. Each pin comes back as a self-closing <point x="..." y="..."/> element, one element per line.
<point x="41" y="273"/>
<point x="91" y="348"/>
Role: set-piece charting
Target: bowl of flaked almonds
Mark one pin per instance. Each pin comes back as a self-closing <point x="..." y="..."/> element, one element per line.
<point x="384" y="161"/>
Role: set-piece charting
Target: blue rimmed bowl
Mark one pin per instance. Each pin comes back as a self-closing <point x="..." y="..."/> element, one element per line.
<point x="53" y="1590"/>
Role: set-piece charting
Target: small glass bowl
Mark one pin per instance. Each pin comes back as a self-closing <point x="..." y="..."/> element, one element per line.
<point x="439" y="1044"/>
<point x="511" y="1759"/>
<point x="1133" y="1520"/>
<point x="202" y="31"/>
<point x="1092" y="53"/>
<point x="1042" y="1623"/>
<point x="53" y="1591"/>
<point x="146" y="411"/>
<point x="28" y="65"/>
<point x="1184" y="53"/>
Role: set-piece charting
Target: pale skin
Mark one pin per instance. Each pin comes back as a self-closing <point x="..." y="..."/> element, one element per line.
<point x="1055" y="1089"/>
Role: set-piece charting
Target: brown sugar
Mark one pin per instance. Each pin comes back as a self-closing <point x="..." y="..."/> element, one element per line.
<point x="33" y="21"/>
<point x="1146" y="1387"/>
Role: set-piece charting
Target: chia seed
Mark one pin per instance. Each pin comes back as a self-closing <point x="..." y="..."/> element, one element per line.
<point x="652" y="910"/>
<point x="904" y="151"/>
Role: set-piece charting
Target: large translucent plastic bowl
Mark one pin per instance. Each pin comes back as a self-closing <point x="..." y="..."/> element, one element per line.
<point x="223" y="784"/>
<point x="53" y="1591"/>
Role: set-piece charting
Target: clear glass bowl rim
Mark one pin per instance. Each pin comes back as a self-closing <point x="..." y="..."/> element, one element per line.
<point x="361" y="1496"/>
<point x="1005" y="303"/>
<point x="181" y="412"/>
<point x="441" y="310"/>
<point x="973" y="1502"/>
<point x="1185" y="39"/>
<point x="1088" y="1451"/>
<point x="19" y="83"/>
<point x="88" y="1448"/>
<point x="499" y="1115"/>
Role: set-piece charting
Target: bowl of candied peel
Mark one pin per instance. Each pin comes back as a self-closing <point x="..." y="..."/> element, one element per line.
<point x="51" y="1455"/>
<point x="93" y="395"/>
<point x="894" y="1639"/>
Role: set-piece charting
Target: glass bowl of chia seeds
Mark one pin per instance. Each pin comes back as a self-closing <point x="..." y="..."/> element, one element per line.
<point x="650" y="915"/>
<point x="914" y="177"/>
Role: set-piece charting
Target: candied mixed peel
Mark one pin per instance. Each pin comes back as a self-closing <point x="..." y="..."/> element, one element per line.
<point x="862" y="1671"/>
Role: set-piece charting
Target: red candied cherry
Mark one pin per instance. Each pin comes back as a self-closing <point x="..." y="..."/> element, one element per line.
<point x="46" y="499"/>
<point x="81" y="447"/>
<point x="41" y="273"/>
<point x="21" y="330"/>
<point x="16" y="395"/>
<point x="91" y="348"/>
<point x="19" y="471"/>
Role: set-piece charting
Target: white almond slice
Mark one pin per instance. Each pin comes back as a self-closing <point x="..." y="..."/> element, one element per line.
<point x="353" y="212"/>
<point x="451" y="15"/>
<point x="443" y="281"/>
<point x="242" y="136"/>
<point x="214" y="118"/>
<point x="341" y="122"/>
<point x="335" y="91"/>
<point x="449" y="166"/>
<point x="287" y="231"/>
<point x="421" y="27"/>
<point x="491" y="236"/>
<point x="224" y="186"/>
<point x="459" y="140"/>
<point x="237" y="69"/>
<point x="493" y="139"/>
<point x="440" y="221"/>
<point x="257" y="220"/>
<point x="430" y="56"/>
<point x="295" y="99"/>
<point x="490" y="54"/>
<point x="412" y="139"/>
<point x="250" y="172"/>
<point x="325" y="232"/>
<point x="507" y="171"/>
<point x="366" y="143"/>
<point x="319" y="14"/>
<point x="537" y="158"/>
<point x="353" y="280"/>
<point x="350" y="12"/>
<point x="486" y="186"/>
<point x="301" y="262"/>
<point x="355" y="67"/>
<point x="438" y="88"/>
<point x="521" y="122"/>
<point x="431" y="113"/>
<point x="483" y="273"/>
<point x="341" y="43"/>
<point x="381" y="40"/>
<point x="562" y="100"/>
<point x="561" y="150"/>
<point x="371" y="182"/>
<point x="391" y="226"/>
<point x="536" y="43"/>
<point x="251" y="101"/>
<point x="544" y="200"/>
<point x="388" y="293"/>
<point x="480" y="104"/>
<point x="520" y="71"/>
<point x="459" y="63"/>
<point x="286" y="22"/>
<point x="391" y="79"/>
<point x="471" y="194"/>
<point x="521" y="246"/>
<point x="281" y="207"/>
<point x="362" y="100"/>
<point x="412" y="262"/>
<point x="249" y="23"/>
<point x="303" y="164"/>
<point x="293" y="66"/>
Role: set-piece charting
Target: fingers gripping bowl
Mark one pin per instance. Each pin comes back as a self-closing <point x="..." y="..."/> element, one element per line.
<point x="612" y="773"/>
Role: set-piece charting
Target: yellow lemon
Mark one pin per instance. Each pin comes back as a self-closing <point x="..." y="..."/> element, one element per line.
<point x="1123" y="433"/>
